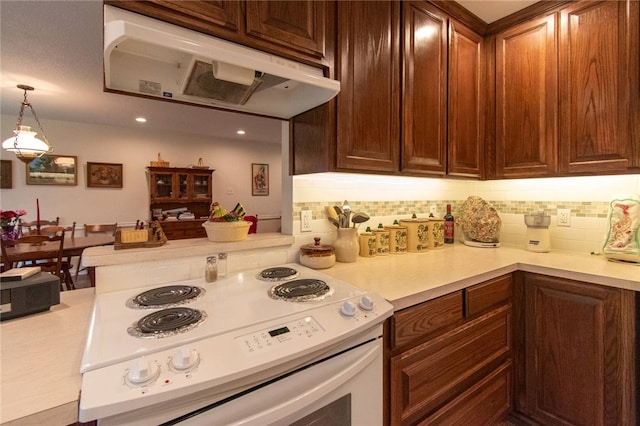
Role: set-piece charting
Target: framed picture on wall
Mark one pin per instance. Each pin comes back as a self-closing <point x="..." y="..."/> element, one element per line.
<point x="6" y="174"/>
<point x="53" y="170"/>
<point x="259" y="179"/>
<point x="104" y="175"/>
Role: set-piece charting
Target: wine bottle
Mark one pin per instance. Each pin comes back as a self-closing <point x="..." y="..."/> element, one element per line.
<point x="449" y="226"/>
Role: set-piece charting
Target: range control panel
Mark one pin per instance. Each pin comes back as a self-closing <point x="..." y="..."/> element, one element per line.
<point x="301" y="329"/>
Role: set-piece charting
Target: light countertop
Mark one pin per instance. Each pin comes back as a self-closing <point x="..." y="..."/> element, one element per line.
<point x="412" y="278"/>
<point x="40" y="355"/>
<point x="106" y="255"/>
<point x="40" y="358"/>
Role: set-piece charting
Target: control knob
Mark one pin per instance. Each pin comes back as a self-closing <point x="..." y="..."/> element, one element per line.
<point x="366" y="303"/>
<point x="184" y="359"/>
<point x="348" y="309"/>
<point x="142" y="372"/>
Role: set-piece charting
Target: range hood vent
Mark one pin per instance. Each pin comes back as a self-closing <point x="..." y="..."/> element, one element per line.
<point x="144" y="56"/>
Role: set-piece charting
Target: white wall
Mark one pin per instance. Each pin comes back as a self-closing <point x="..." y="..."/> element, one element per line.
<point x="314" y="192"/>
<point x="134" y="149"/>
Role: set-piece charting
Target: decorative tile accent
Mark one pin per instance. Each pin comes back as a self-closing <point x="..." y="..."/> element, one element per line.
<point x="421" y="207"/>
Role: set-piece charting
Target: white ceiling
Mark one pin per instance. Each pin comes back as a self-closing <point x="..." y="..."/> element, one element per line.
<point x="56" y="47"/>
<point x="490" y="11"/>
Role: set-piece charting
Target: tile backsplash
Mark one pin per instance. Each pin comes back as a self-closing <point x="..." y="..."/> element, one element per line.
<point x="386" y="198"/>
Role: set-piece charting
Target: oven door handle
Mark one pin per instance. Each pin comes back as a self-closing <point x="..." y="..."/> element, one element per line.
<point x="333" y="382"/>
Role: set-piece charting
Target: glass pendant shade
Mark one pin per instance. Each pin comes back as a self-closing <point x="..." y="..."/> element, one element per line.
<point x="25" y="144"/>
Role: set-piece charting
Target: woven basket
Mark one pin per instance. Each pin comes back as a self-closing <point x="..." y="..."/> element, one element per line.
<point x="160" y="162"/>
<point x="227" y="231"/>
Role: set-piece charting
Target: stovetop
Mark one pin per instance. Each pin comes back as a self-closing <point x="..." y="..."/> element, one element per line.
<point x="234" y="303"/>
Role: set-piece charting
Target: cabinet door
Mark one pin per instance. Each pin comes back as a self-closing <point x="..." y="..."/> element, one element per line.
<point x="578" y="352"/>
<point x="183" y="186"/>
<point x="465" y="139"/>
<point x="424" y="88"/>
<point x="368" y="135"/>
<point x="162" y="185"/>
<point x="201" y="188"/>
<point x="208" y="16"/>
<point x="293" y="24"/>
<point x="598" y="86"/>
<point x="526" y="99"/>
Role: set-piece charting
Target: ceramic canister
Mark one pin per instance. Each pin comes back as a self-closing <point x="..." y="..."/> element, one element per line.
<point x="397" y="239"/>
<point x="436" y="233"/>
<point x="382" y="241"/>
<point x="317" y="256"/>
<point x="347" y="245"/>
<point x="417" y="234"/>
<point x="367" y="244"/>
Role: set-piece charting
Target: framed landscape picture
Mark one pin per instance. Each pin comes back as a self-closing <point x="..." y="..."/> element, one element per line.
<point x="104" y="175"/>
<point x="53" y="170"/>
<point x="259" y="179"/>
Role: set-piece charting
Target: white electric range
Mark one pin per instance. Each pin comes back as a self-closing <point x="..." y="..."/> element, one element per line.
<point x="152" y="357"/>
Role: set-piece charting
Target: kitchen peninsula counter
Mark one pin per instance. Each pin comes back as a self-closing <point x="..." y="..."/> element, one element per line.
<point x="40" y="358"/>
<point x="41" y="353"/>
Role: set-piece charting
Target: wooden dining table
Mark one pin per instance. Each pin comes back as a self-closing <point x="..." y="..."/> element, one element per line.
<point x="72" y="247"/>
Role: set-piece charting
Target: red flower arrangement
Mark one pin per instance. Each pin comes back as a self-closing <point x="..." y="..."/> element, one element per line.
<point x="9" y="220"/>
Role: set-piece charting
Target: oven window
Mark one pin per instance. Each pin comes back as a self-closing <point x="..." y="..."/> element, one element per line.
<point x="336" y="413"/>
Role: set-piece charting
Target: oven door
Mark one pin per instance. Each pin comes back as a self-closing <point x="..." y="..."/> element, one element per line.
<point x="343" y="389"/>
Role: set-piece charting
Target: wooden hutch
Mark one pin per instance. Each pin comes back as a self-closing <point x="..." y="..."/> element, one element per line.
<point x="176" y="187"/>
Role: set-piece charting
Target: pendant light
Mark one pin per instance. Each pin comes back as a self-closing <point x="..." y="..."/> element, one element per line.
<point x="24" y="142"/>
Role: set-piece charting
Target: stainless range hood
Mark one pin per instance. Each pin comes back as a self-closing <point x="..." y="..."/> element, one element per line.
<point x="152" y="58"/>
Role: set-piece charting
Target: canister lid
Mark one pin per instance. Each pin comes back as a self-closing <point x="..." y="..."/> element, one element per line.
<point x="316" y="247"/>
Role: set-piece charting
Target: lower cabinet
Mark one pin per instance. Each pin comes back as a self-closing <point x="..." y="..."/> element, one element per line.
<point x="541" y="349"/>
<point x="456" y="366"/>
<point x="576" y="354"/>
<point x="183" y="229"/>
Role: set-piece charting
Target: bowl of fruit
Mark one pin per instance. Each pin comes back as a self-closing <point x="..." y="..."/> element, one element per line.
<point x="223" y="225"/>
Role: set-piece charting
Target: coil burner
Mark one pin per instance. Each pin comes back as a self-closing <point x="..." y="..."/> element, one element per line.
<point x="165" y="297"/>
<point x="304" y="290"/>
<point x="279" y="273"/>
<point x="166" y="322"/>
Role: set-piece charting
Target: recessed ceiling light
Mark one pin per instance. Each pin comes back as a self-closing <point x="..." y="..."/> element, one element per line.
<point x="141" y="119"/>
<point x="240" y="132"/>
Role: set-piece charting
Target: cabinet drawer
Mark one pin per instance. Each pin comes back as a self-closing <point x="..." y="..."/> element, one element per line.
<point x="484" y="403"/>
<point x="179" y="230"/>
<point x="481" y="297"/>
<point x="424" y="319"/>
<point x="432" y="374"/>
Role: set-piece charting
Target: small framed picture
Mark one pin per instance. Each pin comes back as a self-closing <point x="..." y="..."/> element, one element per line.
<point x="6" y="174"/>
<point x="53" y="170"/>
<point x="259" y="179"/>
<point x="104" y="175"/>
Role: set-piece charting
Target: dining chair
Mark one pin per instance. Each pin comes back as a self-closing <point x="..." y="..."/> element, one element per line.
<point x="29" y="227"/>
<point x="47" y="255"/>
<point x="101" y="228"/>
<point x="67" y="265"/>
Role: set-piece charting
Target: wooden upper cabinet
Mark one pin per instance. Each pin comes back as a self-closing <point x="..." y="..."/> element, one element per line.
<point x="441" y="102"/>
<point x="219" y="18"/>
<point x="424" y="88"/>
<point x="599" y="86"/>
<point x="465" y="131"/>
<point x="526" y="99"/>
<point x="289" y="28"/>
<point x="300" y="24"/>
<point x="368" y="132"/>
